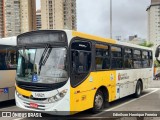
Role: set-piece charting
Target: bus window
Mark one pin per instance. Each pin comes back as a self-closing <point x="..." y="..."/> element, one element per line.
<point x="8" y="57"/>
<point x="128" y="63"/>
<point x="145" y="59"/>
<point x="150" y="58"/>
<point x="117" y="61"/>
<point x="137" y="59"/>
<point x="102" y="57"/>
<point x="80" y="61"/>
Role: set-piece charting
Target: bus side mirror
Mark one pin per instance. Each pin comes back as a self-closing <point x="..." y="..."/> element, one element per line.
<point x="157" y="52"/>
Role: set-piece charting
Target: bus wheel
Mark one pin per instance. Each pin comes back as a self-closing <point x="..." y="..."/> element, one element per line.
<point x="138" y="89"/>
<point x="98" y="102"/>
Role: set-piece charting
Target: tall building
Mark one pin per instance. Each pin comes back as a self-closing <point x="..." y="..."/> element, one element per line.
<point x="28" y="15"/>
<point x="12" y="18"/>
<point x="154" y="22"/>
<point x="58" y="14"/>
<point x="38" y="19"/>
<point x="1" y="18"/>
<point x="17" y="16"/>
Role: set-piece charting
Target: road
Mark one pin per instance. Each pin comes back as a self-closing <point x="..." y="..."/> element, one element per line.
<point x="149" y="101"/>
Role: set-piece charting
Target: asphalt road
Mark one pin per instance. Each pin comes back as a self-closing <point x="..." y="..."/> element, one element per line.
<point x="149" y="101"/>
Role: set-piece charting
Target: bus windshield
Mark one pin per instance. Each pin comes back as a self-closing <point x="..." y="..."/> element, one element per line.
<point x="42" y="65"/>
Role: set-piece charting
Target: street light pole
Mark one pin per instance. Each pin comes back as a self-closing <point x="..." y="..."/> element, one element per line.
<point x="110" y="18"/>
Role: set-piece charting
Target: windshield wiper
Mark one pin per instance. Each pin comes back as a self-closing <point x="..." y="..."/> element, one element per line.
<point x="44" y="57"/>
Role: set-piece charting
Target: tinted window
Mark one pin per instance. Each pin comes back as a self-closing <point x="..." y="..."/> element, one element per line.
<point x="8" y="58"/>
<point x="117" y="60"/>
<point x="80" y="62"/>
<point x="128" y="62"/>
<point x="145" y="59"/>
<point x="137" y="63"/>
<point x="102" y="57"/>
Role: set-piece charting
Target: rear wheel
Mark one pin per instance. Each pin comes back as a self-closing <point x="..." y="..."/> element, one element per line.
<point x="138" y="89"/>
<point x="98" y="102"/>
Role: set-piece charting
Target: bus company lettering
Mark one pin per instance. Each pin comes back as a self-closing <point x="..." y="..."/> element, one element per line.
<point x="123" y="76"/>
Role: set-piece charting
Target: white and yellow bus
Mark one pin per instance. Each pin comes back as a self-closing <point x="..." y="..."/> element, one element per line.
<point x="62" y="70"/>
<point x="8" y="67"/>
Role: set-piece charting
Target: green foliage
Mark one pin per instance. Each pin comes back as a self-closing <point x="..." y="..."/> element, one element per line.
<point x="147" y="44"/>
<point x="156" y="63"/>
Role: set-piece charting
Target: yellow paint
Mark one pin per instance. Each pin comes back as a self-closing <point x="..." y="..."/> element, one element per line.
<point x="102" y="78"/>
<point x="92" y="37"/>
<point x="23" y="92"/>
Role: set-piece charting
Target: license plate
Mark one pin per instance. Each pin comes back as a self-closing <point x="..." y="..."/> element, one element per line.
<point x="33" y="105"/>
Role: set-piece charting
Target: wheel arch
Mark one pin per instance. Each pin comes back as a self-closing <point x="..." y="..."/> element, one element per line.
<point x="105" y="92"/>
<point x="141" y="82"/>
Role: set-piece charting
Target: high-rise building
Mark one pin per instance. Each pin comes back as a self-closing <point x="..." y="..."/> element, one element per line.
<point x="58" y="14"/>
<point x="154" y="22"/>
<point x="1" y="18"/>
<point x="17" y="16"/>
<point x="12" y="18"/>
<point x="28" y="15"/>
<point x="38" y="19"/>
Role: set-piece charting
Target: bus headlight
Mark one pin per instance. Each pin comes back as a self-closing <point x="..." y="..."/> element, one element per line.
<point x="19" y="95"/>
<point x="57" y="97"/>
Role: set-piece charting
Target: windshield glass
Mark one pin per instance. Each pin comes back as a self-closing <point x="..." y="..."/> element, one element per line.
<point x="42" y="65"/>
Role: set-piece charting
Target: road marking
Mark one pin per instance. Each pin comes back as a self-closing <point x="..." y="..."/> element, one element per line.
<point x="156" y="89"/>
<point x="18" y="118"/>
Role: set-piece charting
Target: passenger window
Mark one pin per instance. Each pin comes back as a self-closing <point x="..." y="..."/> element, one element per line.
<point x="128" y="62"/>
<point x="137" y="63"/>
<point x="145" y="59"/>
<point x="8" y="58"/>
<point x="102" y="57"/>
<point x="117" y="60"/>
<point x="150" y="59"/>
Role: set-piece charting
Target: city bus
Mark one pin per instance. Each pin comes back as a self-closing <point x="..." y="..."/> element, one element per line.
<point x="64" y="70"/>
<point x="8" y="68"/>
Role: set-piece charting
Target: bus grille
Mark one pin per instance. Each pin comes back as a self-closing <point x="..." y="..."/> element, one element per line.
<point x="32" y="98"/>
<point x="35" y="88"/>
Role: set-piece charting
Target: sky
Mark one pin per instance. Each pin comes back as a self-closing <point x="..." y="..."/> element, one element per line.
<point x="129" y="17"/>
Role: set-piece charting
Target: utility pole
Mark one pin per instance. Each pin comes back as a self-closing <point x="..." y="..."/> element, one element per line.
<point x="110" y="18"/>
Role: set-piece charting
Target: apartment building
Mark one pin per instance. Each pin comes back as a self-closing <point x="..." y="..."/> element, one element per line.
<point x="17" y="16"/>
<point x="58" y="14"/>
<point x="1" y="18"/>
<point x="28" y="15"/>
<point x="154" y="22"/>
<point x="11" y="18"/>
<point x="38" y="19"/>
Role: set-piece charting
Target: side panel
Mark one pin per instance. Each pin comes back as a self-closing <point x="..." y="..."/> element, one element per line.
<point x="127" y="80"/>
<point x="119" y="84"/>
<point x="82" y="97"/>
<point x="7" y="84"/>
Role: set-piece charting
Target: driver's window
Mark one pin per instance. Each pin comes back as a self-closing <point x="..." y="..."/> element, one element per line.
<point x="80" y="61"/>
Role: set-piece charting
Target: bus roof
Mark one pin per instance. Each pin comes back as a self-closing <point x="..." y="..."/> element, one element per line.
<point x="72" y="33"/>
<point x="106" y="40"/>
<point x="9" y="41"/>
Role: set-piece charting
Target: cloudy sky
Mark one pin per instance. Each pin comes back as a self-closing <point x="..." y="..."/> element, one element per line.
<point x="129" y="17"/>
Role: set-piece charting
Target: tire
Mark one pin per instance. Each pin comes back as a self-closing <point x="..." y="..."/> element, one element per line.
<point x="98" y="104"/>
<point x="138" y="89"/>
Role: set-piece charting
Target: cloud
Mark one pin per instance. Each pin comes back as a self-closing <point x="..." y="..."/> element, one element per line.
<point x="129" y="17"/>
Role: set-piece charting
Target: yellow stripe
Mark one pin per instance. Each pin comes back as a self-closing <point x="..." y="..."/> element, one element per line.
<point x="23" y="92"/>
<point x="87" y="36"/>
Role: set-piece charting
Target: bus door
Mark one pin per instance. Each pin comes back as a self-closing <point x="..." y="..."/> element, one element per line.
<point x="80" y="70"/>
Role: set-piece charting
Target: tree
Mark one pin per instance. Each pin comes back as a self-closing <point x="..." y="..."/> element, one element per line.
<point x="146" y="44"/>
